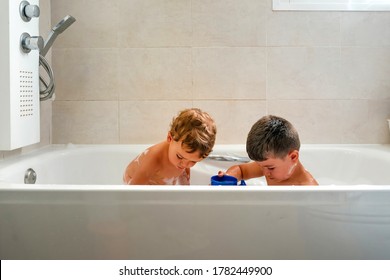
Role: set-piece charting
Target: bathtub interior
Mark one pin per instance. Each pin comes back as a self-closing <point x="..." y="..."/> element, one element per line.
<point x="104" y="164"/>
<point x="95" y="165"/>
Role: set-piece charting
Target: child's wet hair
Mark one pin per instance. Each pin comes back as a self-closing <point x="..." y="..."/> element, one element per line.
<point x="196" y="129"/>
<point x="271" y="136"/>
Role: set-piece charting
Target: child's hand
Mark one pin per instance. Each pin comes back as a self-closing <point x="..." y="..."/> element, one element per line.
<point x="223" y="173"/>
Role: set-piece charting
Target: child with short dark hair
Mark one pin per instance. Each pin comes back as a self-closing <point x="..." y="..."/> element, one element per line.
<point x="273" y="145"/>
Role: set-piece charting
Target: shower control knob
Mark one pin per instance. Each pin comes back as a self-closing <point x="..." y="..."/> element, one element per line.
<point x="28" y="11"/>
<point x="29" y="43"/>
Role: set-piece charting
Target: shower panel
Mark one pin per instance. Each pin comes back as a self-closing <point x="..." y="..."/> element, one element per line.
<point x="19" y="74"/>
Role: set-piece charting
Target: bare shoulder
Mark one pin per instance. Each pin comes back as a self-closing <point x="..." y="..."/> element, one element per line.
<point x="313" y="181"/>
<point x="145" y="166"/>
<point x="156" y="152"/>
<point x="310" y="180"/>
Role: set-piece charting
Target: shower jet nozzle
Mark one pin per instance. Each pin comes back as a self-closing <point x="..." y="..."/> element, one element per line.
<point x="55" y="31"/>
<point x="63" y="24"/>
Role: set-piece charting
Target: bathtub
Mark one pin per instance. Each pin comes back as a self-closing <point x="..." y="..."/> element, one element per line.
<point x="78" y="208"/>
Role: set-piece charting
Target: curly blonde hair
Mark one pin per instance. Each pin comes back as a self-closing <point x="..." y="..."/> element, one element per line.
<point x="196" y="129"/>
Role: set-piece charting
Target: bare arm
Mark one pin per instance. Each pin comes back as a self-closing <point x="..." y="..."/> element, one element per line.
<point x="245" y="171"/>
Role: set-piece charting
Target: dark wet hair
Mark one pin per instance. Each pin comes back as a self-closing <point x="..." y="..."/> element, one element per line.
<point x="271" y="136"/>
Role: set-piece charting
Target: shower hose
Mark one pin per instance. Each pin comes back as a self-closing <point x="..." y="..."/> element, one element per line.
<point x="46" y="88"/>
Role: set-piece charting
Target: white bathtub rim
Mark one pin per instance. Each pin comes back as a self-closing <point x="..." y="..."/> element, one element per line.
<point x="53" y="150"/>
<point x="63" y="148"/>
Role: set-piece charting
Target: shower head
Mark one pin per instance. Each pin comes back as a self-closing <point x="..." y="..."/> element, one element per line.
<point x="55" y="31"/>
<point x="63" y="24"/>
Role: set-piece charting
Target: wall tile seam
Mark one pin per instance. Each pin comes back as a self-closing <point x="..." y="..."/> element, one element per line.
<point x="161" y="99"/>
<point x="218" y="46"/>
<point x="158" y="47"/>
<point x="329" y="99"/>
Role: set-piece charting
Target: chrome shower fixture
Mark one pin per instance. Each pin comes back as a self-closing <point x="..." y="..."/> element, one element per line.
<point x="27" y="11"/>
<point x="55" y="31"/>
<point x="46" y="88"/>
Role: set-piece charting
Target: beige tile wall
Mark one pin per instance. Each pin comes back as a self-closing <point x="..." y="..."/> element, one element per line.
<point x="125" y="68"/>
